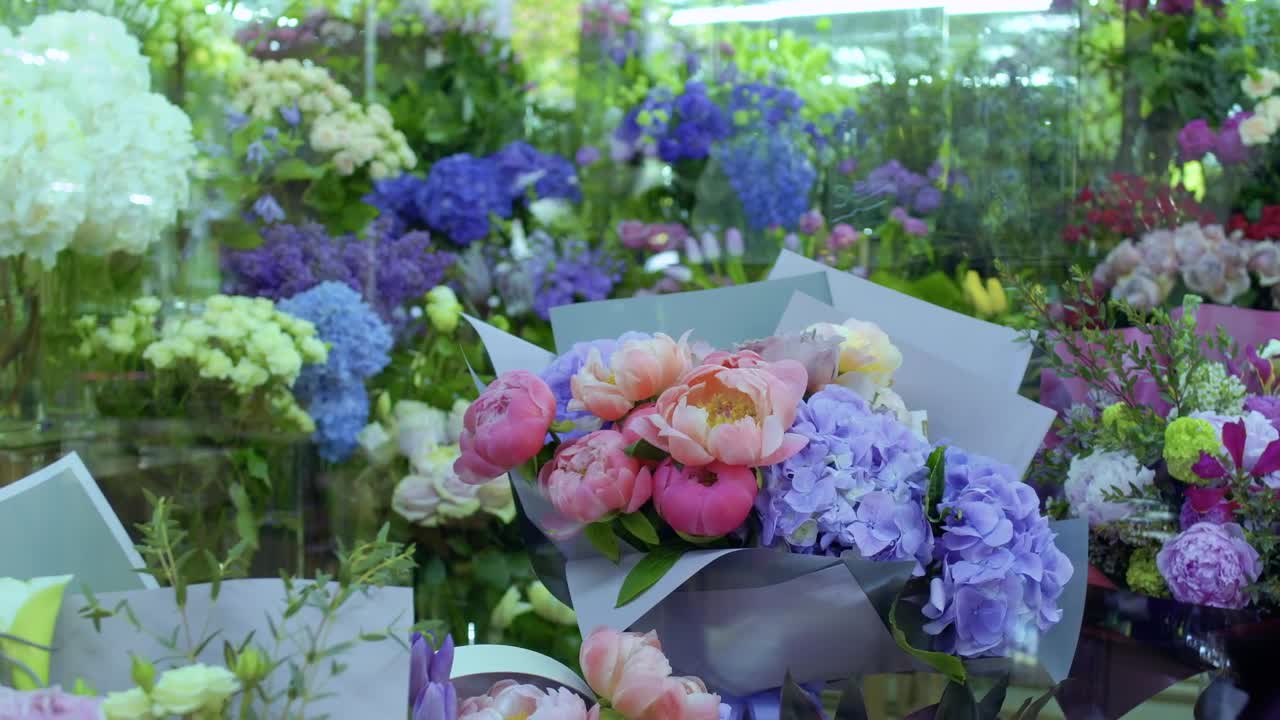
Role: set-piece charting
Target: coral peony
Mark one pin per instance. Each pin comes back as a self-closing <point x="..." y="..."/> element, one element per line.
<point x="505" y="427"/>
<point x="707" y="501"/>
<point x="625" y="669"/>
<point x="733" y="415"/>
<point x="592" y="477"/>
<point x="638" y="370"/>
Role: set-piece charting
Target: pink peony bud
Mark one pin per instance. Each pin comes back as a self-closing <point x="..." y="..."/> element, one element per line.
<point x="707" y="501"/>
<point x="593" y="477"/>
<point x="627" y="670"/>
<point x="505" y="427"/>
<point x="637" y="371"/>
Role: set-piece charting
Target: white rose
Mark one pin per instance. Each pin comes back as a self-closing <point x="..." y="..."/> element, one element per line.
<point x="1270" y="108"/>
<point x="415" y="499"/>
<point x="1257" y="130"/>
<point x="196" y="687"/>
<point x="1092" y="477"/>
<point x="1263" y="85"/>
<point x="457" y="418"/>
<point x="420" y="427"/>
<point x="496" y="499"/>
<point x="130" y="705"/>
<point x="868" y="359"/>
<point x="376" y="443"/>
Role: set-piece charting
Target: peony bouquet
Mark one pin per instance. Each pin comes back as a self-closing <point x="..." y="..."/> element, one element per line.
<point x="677" y="476"/>
<point x="627" y="678"/>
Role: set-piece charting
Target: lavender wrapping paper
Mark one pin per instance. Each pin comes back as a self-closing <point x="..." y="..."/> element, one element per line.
<point x="717" y="609"/>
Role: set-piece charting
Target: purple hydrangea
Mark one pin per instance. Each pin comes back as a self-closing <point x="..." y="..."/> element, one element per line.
<point x="757" y="103"/>
<point x="431" y="694"/>
<point x="894" y="180"/>
<point x="398" y="197"/>
<point x="1267" y="406"/>
<point x="771" y="174"/>
<point x="558" y="273"/>
<point x="699" y="122"/>
<point x="859" y="483"/>
<point x="359" y="348"/>
<point x="1210" y="564"/>
<point x="460" y="194"/>
<point x="521" y="166"/>
<point x="1001" y="573"/>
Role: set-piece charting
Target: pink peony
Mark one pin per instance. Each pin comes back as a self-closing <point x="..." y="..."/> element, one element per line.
<point x="735" y="415"/>
<point x="47" y="704"/>
<point x="505" y="699"/>
<point x="683" y="698"/>
<point x="561" y="704"/>
<point x="625" y="669"/>
<point x="593" y="476"/>
<point x="707" y="501"/>
<point x="631" y="425"/>
<point x="638" y="370"/>
<point x="505" y="427"/>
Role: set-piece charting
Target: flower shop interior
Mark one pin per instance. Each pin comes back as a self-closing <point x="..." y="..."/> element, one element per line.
<point x="639" y="359"/>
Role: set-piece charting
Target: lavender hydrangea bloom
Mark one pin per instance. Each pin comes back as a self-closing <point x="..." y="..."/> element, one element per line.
<point x="700" y="122"/>
<point x="858" y="483"/>
<point x="521" y="166"/>
<point x="1002" y="574"/>
<point x="359" y="348"/>
<point x="460" y="194"/>
<point x="559" y="377"/>
<point x="560" y="273"/>
<point x="771" y="175"/>
<point x="1267" y="406"/>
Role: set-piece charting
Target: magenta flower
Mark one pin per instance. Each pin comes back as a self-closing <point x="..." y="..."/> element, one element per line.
<point x="1234" y="437"/>
<point x="1196" y="140"/>
<point x="1206" y="505"/>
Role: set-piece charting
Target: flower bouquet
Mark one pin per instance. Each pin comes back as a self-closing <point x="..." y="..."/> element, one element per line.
<point x="1172" y="457"/>
<point x="674" y="478"/>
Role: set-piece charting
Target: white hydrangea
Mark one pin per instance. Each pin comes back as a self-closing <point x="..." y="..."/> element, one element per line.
<point x="1092" y="477"/>
<point x="90" y="159"/>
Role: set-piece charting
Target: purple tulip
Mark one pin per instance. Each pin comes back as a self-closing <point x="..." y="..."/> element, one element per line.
<point x="1196" y="140"/>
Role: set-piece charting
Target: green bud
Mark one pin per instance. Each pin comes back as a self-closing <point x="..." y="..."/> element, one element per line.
<point x="251" y="666"/>
<point x="384" y="406"/>
<point x="500" y="322"/>
<point x="143" y="673"/>
<point x="83" y="689"/>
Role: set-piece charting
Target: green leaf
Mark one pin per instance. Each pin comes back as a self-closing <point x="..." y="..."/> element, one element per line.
<point x="937" y="481"/>
<point x="648" y="571"/>
<point x="603" y="540"/>
<point x="611" y="714"/>
<point x="948" y="665"/>
<point x="643" y="450"/>
<point x="957" y="703"/>
<point x="257" y="467"/>
<point x="989" y="708"/>
<point x="491" y="569"/>
<point x="296" y="169"/>
<point x="796" y="703"/>
<point x="637" y="524"/>
<point x="1031" y="709"/>
<point x="852" y="706"/>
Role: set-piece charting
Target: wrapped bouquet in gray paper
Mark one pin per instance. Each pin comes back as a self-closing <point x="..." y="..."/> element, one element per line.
<point x="811" y="474"/>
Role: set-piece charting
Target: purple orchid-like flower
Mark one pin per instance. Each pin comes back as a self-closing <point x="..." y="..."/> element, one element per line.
<point x="1234" y="436"/>
<point x="1207" y="505"/>
<point x="431" y="695"/>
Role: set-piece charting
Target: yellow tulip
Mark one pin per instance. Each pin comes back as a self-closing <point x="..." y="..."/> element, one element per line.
<point x="995" y="291"/>
<point x="29" y="612"/>
<point x="976" y="294"/>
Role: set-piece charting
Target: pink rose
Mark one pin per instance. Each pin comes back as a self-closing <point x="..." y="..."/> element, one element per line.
<point x="505" y="427"/>
<point x="734" y="415"/>
<point x="593" y="476"/>
<point x="637" y="370"/>
<point x="627" y="670"/>
<point x="707" y="501"/>
<point x="47" y="704"/>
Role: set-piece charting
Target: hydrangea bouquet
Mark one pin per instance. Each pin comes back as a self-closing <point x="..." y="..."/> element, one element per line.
<point x="675" y="476"/>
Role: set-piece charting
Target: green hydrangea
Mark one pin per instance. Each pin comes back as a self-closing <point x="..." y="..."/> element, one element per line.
<point x="1143" y="576"/>
<point x="1119" y="421"/>
<point x="1211" y="388"/>
<point x="1184" y="440"/>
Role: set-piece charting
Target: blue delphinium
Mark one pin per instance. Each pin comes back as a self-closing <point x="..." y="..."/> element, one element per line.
<point x="1001" y="573"/>
<point x="859" y="483"/>
<point x="699" y="122"/>
<point x="771" y="174"/>
<point x="521" y="166"/>
<point x="752" y="104"/>
<point x="359" y="348"/>
<point x="645" y="123"/>
<point x="460" y="194"/>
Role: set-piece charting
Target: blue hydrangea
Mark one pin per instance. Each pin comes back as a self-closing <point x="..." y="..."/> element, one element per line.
<point x="754" y="104"/>
<point x="359" y="348"/>
<point x="459" y="195"/>
<point x="521" y="166"/>
<point x="699" y="123"/>
<point x="858" y="484"/>
<point x="1001" y="573"/>
<point x="771" y="174"/>
<point x="398" y="198"/>
<point x="645" y="123"/>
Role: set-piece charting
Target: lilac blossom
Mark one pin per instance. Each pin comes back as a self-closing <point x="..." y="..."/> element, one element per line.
<point x="268" y="210"/>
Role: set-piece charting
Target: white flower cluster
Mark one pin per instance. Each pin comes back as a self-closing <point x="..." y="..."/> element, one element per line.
<point x="1211" y="387"/>
<point x="431" y="494"/>
<point x="1209" y="262"/>
<point x="1091" y="478"/>
<point x="190" y="691"/>
<point x="89" y="158"/>
<point x="1262" y="125"/>
<point x="246" y="343"/>
<point x="354" y="135"/>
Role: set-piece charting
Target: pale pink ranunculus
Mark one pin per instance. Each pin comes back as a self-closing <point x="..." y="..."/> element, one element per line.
<point x="505" y="427"/>
<point x="593" y="477"/>
<point x="734" y="415"/>
<point x="683" y="698"/>
<point x="638" y="370"/>
<point x="707" y="501"/>
<point x="560" y="704"/>
<point x="622" y="664"/>
<point x="506" y="699"/>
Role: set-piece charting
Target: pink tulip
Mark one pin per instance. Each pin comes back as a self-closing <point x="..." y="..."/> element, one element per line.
<point x="505" y="427"/>
<point x="637" y="371"/>
<point x="707" y="501"/>
<point x="505" y="699"/>
<point x="683" y="698"/>
<point x="620" y="664"/>
<point x="734" y="415"/>
<point x="593" y="477"/>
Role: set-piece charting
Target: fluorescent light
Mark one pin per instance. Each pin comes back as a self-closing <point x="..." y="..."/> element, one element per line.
<point x="783" y="9"/>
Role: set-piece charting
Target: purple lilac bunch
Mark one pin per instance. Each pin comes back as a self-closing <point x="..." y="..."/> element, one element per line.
<point x="431" y="694"/>
<point x="563" y="272"/>
<point x="522" y="167"/>
<point x="1197" y="139"/>
<point x="459" y="196"/>
<point x="1001" y="573"/>
<point x="389" y="269"/>
<point x="771" y="174"/>
<point x="359" y="348"/>
<point x="910" y="189"/>
<point x="858" y="484"/>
